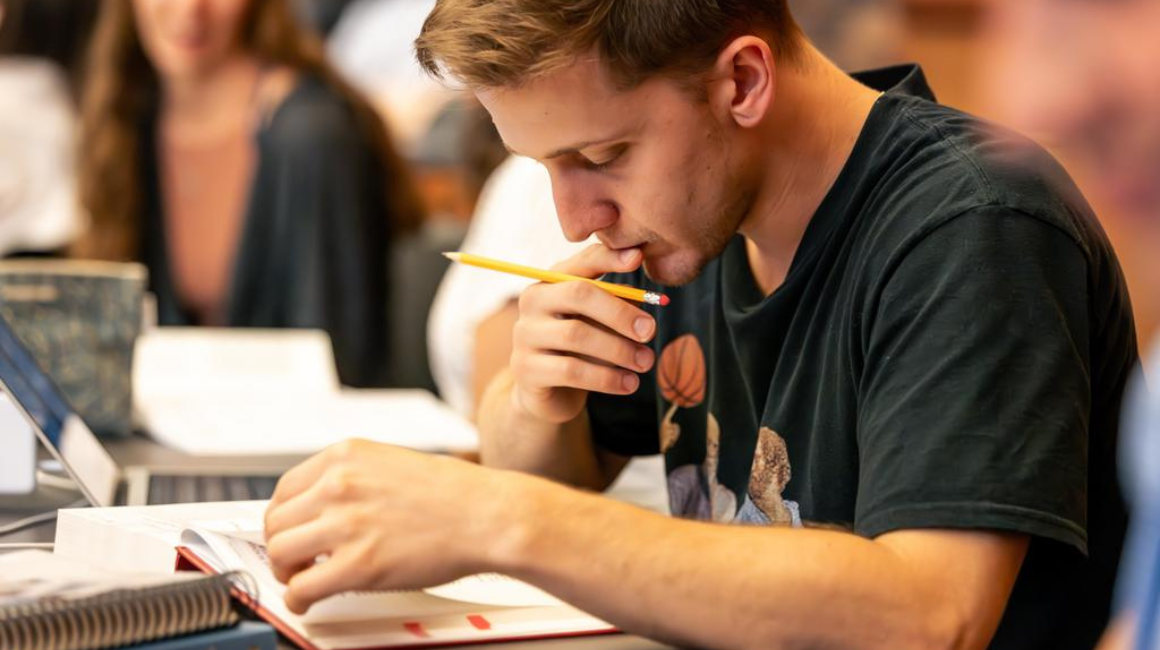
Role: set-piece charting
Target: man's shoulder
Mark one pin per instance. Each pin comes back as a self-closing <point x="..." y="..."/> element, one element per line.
<point x="942" y="164"/>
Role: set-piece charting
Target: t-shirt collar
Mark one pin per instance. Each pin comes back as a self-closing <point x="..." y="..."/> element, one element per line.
<point x="903" y="79"/>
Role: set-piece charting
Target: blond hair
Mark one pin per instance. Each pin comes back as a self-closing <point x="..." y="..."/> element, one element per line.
<point x="506" y="43"/>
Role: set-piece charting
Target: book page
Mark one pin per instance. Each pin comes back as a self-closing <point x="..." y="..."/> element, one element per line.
<point x="495" y="589"/>
<point x="226" y="553"/>
<point x="191" y="362"/>
<point x="482" y="589"/>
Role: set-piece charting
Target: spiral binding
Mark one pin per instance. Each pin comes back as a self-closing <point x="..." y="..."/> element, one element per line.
<point x="122" y="617"/>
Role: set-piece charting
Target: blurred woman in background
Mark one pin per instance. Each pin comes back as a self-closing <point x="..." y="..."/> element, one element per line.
<point x="220" y="149"/>
<point x="39" y="43"/>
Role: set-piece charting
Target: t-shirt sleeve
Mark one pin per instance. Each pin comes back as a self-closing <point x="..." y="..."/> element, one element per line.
<point x="975" y="396"/>
<point x="627" y="425"/>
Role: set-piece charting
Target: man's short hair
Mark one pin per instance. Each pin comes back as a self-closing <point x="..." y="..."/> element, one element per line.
<point x="507" y="43"/>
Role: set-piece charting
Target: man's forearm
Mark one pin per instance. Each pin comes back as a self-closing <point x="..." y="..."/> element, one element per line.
<point x="512" y="439"/>
<point x="717" y="586"/>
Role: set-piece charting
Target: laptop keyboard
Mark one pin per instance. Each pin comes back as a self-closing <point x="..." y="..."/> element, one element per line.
<point x="193" y="489"/>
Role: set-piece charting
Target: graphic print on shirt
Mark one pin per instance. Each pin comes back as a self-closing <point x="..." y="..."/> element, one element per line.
<point x="767" y="480"/>
<point x="695" y="491"/>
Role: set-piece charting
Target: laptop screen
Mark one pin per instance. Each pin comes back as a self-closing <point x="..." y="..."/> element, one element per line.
<point x="55" y="422"/>
<point x="31" y="387"/>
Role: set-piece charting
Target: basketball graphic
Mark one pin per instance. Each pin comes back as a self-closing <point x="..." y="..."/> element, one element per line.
<point x="681" y="373"/>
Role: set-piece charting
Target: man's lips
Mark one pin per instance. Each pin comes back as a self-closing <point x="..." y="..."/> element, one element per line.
<point x="622" y="247"/>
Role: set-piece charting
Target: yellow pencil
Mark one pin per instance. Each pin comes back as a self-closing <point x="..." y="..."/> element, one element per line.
<point x="618" y="290"/>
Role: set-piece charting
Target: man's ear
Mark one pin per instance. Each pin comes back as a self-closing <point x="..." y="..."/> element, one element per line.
<point x="744" y="81"/>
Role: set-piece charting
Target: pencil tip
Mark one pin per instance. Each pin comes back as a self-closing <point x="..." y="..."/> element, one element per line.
<point x="450" y="255"/>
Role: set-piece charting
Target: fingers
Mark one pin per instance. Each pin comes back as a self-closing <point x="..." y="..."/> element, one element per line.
<point x="573" y="338"/>
<point x="327" y="477"/>
<point x="295" y="549"/>
<point x="298" y="479"/>
<point x="577" y="337"/>
<point x="597" y="259"/>
<point x="299" y="510"/>
<point x="341" y="572"/>
<point x="545" y="372"/>
<point x="570" y="299"/>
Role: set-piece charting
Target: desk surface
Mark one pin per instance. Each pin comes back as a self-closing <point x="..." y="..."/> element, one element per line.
<point x="13" y="509"/>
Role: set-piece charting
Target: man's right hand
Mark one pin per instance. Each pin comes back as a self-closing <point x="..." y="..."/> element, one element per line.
<point x="573" y="338"/>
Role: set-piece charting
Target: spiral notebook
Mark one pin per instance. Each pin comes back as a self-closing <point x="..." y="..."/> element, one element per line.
<point x="50" y="603"/>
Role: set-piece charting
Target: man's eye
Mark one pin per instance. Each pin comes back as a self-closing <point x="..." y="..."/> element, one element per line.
<point x="601" y="165"/>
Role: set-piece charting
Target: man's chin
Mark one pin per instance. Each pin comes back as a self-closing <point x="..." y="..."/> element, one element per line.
<point x="671" y="273"/>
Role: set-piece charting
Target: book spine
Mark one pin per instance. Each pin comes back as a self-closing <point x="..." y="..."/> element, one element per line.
<point x="119" y="617"/>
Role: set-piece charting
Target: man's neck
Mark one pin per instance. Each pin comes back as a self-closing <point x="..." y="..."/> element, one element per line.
<point x="208" y="105"/>
<point x="818" y="116"/>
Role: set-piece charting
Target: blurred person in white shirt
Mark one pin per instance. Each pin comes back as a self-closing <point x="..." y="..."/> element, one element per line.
<point x="39" y="40"/>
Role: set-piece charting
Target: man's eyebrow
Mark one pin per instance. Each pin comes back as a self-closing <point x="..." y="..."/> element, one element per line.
<point x="576" y="148"/>
<point x="563" y="151"/>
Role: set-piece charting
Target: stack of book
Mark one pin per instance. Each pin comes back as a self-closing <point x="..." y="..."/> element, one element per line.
<point x="50" y="603"/>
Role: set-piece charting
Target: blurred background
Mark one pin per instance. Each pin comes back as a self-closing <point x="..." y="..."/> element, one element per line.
<point x="437" y="151"/>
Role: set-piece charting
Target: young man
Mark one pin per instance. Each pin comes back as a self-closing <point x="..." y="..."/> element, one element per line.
<point x="891" y="335"/>
<point x="1107" y="116"/>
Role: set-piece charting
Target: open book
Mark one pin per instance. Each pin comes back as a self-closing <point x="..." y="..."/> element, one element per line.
<point x="221" y="392"/>
<point x="218" y="538"/>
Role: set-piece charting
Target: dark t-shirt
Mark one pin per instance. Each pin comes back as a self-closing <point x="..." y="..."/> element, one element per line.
<point x="948" y="350"/>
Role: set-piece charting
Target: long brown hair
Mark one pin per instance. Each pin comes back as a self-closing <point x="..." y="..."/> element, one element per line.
<point x="122" y="87"/>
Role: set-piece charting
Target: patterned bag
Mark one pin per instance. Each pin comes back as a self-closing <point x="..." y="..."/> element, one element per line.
<point x="80" y="319"/>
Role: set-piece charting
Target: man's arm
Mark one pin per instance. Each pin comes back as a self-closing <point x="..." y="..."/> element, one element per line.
<point x="691" y="583"/>
<point x="562" y="452"/>
<point x="511" y="438"/>
<point x="715" y="586"/>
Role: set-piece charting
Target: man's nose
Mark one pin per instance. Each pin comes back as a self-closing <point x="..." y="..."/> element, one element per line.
<point x="581" y="209"/>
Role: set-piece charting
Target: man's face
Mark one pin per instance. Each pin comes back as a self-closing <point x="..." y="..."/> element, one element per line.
<point x="651" y="167"/>
<point x="1082" y="75"/>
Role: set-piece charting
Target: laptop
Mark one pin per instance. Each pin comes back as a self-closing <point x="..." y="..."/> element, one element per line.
<point x="154" y="477"/>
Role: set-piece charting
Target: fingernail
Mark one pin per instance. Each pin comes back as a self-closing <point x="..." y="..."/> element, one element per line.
<point x="627" y="255"/>
<point x="643" y="327"/>
<point x="630" y="383"/>
<point x="643" y="357"/>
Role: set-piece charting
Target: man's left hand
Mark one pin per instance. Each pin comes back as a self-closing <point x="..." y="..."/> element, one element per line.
<point x="363" y="515"/>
